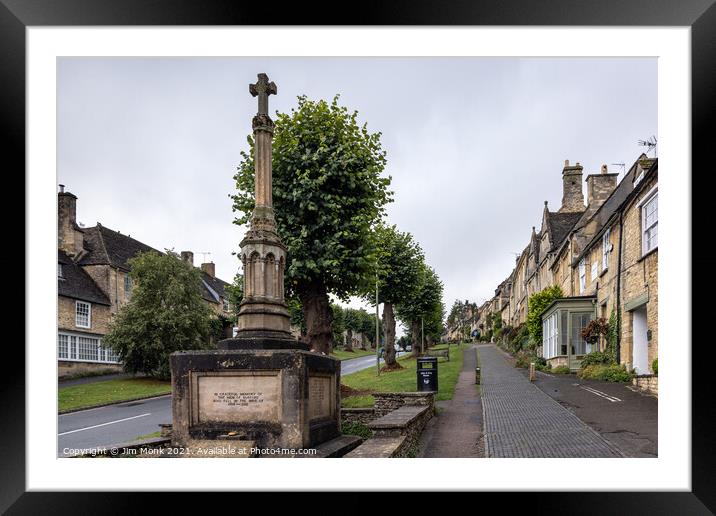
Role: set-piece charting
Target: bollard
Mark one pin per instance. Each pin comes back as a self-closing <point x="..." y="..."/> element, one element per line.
<point x="532" y="371"/>
<point x="477" y="376"/>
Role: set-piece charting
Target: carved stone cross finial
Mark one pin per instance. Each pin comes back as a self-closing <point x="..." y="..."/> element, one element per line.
<point x="263" y="88"/>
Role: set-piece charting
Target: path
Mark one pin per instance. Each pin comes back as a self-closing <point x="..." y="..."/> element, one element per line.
<point x="123" y="422"/>
<point x="523" y="421"/>
<point x="457" y="430"/>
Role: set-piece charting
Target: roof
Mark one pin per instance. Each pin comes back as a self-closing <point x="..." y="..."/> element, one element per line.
<point x="76" y="283"/>
<point x="108" y="247"/>
<point x="559" y="226"/>
<point x="614" y="202"/>
<point x="214" y="288"/>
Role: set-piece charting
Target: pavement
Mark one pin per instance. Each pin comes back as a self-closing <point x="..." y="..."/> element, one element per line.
<point x="457" y="429"/>
<point x="521" y="420"/>
<point x="626" y="418"/>
<point x="123" y="422"/>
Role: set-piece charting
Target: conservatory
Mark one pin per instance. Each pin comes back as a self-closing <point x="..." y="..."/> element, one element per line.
<point x="562" y="324"/>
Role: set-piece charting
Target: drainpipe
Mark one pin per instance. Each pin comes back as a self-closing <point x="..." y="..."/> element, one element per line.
<point x="619" y="288"/>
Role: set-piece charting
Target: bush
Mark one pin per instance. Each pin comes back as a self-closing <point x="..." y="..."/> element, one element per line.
<point x="561" y="369"/>
<point x="356" y="429"/>
<point x="606" y="372"/>
<point x="597" y="357"/>
<point x="655" y="366"/>
<point x="524" y="359"/>
<point x="537" y="303"/>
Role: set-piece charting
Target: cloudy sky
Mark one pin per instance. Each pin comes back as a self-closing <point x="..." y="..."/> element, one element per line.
<point x="474" y="145"/>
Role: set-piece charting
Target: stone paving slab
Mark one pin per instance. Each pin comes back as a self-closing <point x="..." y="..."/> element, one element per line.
<point x="523" y="421"/>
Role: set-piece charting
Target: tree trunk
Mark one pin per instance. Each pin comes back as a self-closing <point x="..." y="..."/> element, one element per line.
<point x="362" y="341"/>
<point x="319" y="317"/>
<point x="415" y="337"/>
<point x="389" y="330"/>
<point x="349" y="340"/>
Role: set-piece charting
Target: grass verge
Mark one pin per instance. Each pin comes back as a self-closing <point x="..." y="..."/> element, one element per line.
<point x="112" y="391"/>
<point x="342" y="354"/>
<point x="403" y="380"/>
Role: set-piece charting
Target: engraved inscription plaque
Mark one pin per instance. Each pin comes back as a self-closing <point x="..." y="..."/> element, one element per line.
<point x="320" y="396"/>
<point x="236" y="397"/>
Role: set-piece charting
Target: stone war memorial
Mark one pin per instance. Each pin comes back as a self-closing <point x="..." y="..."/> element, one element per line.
<point x="262" y="388"/>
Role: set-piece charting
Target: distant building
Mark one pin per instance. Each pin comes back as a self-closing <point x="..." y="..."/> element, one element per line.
<point x="93" y="283"/>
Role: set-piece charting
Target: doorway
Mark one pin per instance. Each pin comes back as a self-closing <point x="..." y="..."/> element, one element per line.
<point x="640" y="351"/>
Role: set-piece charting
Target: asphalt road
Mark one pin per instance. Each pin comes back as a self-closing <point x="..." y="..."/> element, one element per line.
<point x="124" y="422"/>
<point x="626" y="418"/>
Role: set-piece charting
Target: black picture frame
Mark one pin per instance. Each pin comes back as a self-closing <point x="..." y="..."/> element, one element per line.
<point x="700" y="15"/>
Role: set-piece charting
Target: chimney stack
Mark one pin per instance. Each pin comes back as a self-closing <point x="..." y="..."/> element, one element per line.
<point x="572" y="196"/>
<point x="188" y="257"/>
<point x="70" y="237"/>
<point x="600" y="187"/>
<point x="209" y="268"/>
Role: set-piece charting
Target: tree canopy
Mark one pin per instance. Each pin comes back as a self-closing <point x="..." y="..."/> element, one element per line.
<point x="165" y="313"/>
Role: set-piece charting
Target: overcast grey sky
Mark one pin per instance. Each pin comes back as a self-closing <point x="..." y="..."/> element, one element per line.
<point x="474" y="145"/>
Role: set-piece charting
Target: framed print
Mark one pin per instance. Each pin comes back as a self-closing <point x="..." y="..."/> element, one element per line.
<point x="429" y="232"/>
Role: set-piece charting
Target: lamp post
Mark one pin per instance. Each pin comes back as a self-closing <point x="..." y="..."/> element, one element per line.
<point x="377" y="327"/>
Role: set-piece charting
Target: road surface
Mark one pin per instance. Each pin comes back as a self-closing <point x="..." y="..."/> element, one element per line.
<point x="124" y="422"/>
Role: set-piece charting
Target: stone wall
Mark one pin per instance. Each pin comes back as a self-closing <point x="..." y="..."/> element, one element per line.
<point x="639" y="278"/>
<point x="388" y="401"/>
<point x="648" y="383"/>
<point x="361" y="416"/>
<point x="99" y="318"/>
<point x="67" y="368"/>
<point x="558" y="361"/>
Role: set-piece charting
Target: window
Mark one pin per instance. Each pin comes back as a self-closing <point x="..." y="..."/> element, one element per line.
<point x="127" y="286"/>
<point x="83" y="314"/>
<point x="582" y="276"/>
<point x="649" y="224"/>
<point x="606" y="248"/>
<point x="59" y="271"/>
<point x="84" y="348"/>
<point x="550" y="336"/>
<point x="226" y="305"/>
<point x="595" y="269"/>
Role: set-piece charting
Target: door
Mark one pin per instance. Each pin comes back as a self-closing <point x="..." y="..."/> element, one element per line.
<point x="640" y="351"/>
<point x="577" y="344"/>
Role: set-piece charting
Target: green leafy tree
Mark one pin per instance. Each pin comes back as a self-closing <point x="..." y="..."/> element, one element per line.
<point x="426" y="302"/>
<point x="339" y="324"/>
<point x="166" y="313"/>
<point x="327" y="193"/>
<point x="537" y="303"/>
<point x="399" y="276"/>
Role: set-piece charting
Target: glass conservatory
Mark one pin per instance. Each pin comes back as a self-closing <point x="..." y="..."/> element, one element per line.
<point x="562" y="324"/>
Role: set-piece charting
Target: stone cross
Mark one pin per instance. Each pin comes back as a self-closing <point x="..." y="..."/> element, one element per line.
<point x="263" y="88"/>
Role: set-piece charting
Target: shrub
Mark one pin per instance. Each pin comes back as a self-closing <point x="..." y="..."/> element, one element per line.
<point x="606" y="372"/>
<point x="537" y="304"/>
<point x="524" y="359"/>
<point x="597" y="357"/>
<point x="561" y="369"/>
<point x="595" y="329"/>
<point x="356" y="429"/>
<point x="655" y="366"/>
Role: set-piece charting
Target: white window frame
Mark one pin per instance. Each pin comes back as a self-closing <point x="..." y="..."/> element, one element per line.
<point x="60" y="272"/>
<point x="226" y="305"/>
<point x="594" y="270"/>
<point x="652" y="196"/>
<point x="582" y="275"/>
<point x="68" y="348"/>
<point x="77" y="314"/>
<point x="606" y="243"/>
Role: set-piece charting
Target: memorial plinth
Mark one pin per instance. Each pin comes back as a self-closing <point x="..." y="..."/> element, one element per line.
<point x="263" y="385"/>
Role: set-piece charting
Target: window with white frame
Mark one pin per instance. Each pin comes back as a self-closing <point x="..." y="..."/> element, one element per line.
<point x="84" y="348"/>
<point x="606" y="248"/>
<point x="550" y="336"/>
<point x="83" y="314"/>
<point x="60" y="274"/>
<point x="582" y="276"/>
<point x="649" y="224"/>
<point x="595" y="269"/>
<point x="127" y="286"/>
<point x="226" y="305"/>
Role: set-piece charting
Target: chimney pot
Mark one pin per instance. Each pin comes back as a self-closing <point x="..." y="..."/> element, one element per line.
<point x="62" y="188"/>
<point x="605" y="170"/>
<point x="188" y="257"/>
<point x="566" y="162"/>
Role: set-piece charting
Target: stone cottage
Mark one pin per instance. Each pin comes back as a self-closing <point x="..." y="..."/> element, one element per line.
<point x="93" y="283"/>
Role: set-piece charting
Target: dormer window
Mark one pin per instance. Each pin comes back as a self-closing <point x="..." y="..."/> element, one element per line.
<point x="60" y="274"/>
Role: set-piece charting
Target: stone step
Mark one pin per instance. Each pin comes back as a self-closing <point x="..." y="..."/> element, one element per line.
<point x="397" y="422"/>
<point x="378" y="448"/>
<point x="337" y="447"/>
